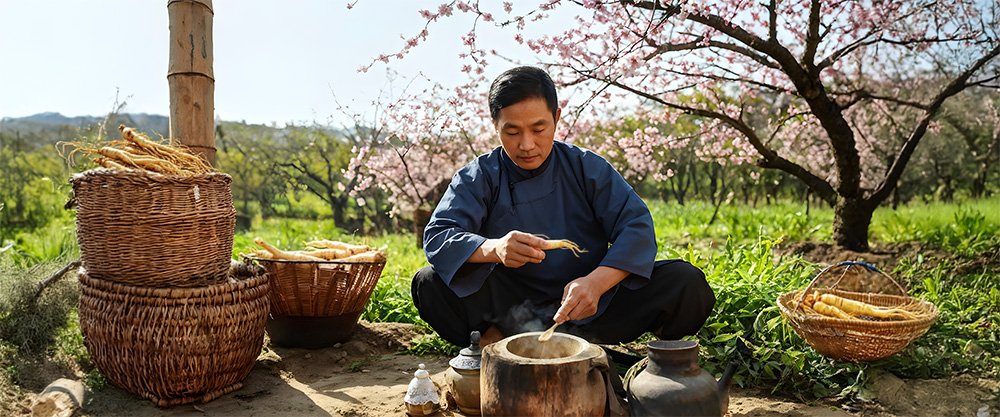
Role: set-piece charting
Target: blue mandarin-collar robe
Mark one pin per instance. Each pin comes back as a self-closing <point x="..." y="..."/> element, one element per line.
<point x="575" y="194"/>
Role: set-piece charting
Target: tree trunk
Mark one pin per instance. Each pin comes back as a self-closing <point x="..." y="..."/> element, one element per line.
<point x="420" y="219"/>
<point x="338" y="204"/>
<point x="850" y="223"/>
<point x="190" y="76"/>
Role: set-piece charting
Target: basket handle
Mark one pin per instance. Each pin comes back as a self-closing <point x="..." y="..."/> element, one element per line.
<point x="849" y="264"/>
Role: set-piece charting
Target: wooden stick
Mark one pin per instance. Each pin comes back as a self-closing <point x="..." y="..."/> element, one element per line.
<point x="55" y="277"/>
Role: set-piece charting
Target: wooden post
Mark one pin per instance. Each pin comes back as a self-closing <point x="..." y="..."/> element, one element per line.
<point x="189" y="73"/>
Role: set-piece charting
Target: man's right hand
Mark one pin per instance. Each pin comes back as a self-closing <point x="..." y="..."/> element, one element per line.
<point x="513" y="250"/>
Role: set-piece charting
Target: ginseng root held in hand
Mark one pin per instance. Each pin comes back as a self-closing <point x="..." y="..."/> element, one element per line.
<point x="562" y="244"/>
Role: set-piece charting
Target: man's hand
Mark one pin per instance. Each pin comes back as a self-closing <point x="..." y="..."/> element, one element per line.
<point x="513" y="250"/>
<point x="581" y="295"/>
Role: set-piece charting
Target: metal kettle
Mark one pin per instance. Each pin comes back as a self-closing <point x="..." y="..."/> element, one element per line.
<point x="463" y="377"/>
<point x="673" y="384"/>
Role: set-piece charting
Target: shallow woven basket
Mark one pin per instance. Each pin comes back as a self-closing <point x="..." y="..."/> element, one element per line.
<point x="175" y="346"/>
<point x="154" y="230"/>
<point x="857" y="340"/>
<point x="310" y="288"/>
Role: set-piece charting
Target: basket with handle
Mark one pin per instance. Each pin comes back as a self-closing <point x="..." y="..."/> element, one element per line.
<point x="857" y="340"/>
<point x="154" y="230"/>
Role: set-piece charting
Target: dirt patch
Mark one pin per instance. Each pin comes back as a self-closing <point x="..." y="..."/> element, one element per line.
<point x="887" y="256"/>
<point x="366" y="376"/>
<point x="884" y="256"/>
<point x="963" y="395"/>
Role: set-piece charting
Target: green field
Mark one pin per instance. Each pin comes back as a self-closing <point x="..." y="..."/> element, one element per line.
<point x="740" y="253"/>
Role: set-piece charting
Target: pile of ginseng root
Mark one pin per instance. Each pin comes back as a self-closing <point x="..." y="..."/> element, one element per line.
<point x="830" y="305"/>
<point x="137" y="152"/>
<point x="320" y="251"/>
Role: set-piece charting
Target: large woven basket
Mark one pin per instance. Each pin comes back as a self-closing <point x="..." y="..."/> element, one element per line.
<point x="175" y="346"/>
<point x="857" y="340"/>
<point x="309" y="288"/>
<point x="154" y="230"/>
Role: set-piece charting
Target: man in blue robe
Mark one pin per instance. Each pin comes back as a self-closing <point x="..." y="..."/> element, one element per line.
<point x="490" y="270"/>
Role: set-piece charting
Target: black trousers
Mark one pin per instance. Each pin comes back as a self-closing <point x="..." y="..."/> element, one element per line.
<point x="674" y="303"/>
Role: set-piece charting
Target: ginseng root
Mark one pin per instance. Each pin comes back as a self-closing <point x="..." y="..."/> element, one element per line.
<point x="280" y="254"/>
<point x="329" y="254"/>
<point x="858" y="308"/>
<point x="829" y="310"/>
<point x="562" y="244"/>
<point x="177" y="155"/>
<point x="139" y="153"/>
<point x="371" y="256"/>
<point x="261" y="253"/>
<point x="333" y="244"/>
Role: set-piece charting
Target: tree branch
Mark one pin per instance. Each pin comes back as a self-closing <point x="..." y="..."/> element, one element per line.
<point x="772" y="21"/>
<point x="903" y="157"/>
<point x="812" y="38"/>
<point x="770" y="158"/>
<point x="698" y="44"/>
<point x="55" y="277"/>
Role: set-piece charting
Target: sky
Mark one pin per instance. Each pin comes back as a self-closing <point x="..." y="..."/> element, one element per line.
<point x="275" y="61"/>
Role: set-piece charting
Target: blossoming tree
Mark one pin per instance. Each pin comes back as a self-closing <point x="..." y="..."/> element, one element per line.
<point x="413" y="146"/>
<point x="817" y="89"/>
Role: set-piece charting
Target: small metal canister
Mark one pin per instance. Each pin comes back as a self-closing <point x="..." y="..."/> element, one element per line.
<point x="422" y="397"/>
<point x="463" y="377"/>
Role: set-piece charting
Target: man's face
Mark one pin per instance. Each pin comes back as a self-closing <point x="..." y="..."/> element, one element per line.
<point x="526" y="130"/>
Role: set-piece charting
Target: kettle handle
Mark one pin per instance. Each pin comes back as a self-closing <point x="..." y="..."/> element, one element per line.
<point x="600" y="362"/>
<point x="615" y="406"/>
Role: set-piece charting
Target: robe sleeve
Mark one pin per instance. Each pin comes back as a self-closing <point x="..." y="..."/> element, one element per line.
<point x="626" y="221"/>
<point x="450" y="236"/>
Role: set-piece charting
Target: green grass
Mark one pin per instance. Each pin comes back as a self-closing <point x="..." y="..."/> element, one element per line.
<point x="55" y="240"/>
<point x="966" y="229"/>
<point x="681" y="226"/>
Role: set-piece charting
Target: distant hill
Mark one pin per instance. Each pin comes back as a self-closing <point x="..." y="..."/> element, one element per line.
<point x="48" y="128"/>
<point x="51" y="126"/>
<point x="152" y="124"/>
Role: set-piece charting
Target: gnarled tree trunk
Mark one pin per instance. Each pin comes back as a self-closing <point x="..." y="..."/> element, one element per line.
<point x="851" y="220"/>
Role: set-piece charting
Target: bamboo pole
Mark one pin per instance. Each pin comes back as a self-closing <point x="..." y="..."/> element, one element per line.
<point x="189" y="73"/>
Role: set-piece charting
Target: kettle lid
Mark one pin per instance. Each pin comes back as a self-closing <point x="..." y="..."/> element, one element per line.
<point x="469" y="358"/>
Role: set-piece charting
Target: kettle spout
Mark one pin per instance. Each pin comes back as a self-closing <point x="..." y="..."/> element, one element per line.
<point x="727" y="378"/>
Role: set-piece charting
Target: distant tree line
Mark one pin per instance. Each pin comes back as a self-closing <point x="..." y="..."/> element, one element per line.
<point x="306" y="171"/>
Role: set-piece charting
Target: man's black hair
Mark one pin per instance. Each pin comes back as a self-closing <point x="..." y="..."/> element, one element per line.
<point x="518" y="84"/>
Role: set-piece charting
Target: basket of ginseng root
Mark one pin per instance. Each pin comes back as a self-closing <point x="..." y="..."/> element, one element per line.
<point x="855" y="326"/>
<point x="153" y="215"/>
<point x="318" y="294"/>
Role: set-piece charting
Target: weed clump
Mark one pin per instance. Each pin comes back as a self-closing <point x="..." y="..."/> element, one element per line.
<point x="27" y="323"/>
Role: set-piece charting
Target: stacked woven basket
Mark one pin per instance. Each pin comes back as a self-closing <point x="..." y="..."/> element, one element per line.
<point x="862" y="338"/>
<point x="164" y="312"/>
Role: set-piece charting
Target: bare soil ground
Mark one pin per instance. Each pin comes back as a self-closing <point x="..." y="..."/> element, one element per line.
<point x="366" y="376"/>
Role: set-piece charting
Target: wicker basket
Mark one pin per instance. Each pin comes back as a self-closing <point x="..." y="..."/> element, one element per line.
<point x="309" y="288"/>
<point x="175" y="346"/>
<point x="857" y="340"/>
<point x="154" y="230"/>
<point x="317" y="304"/>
